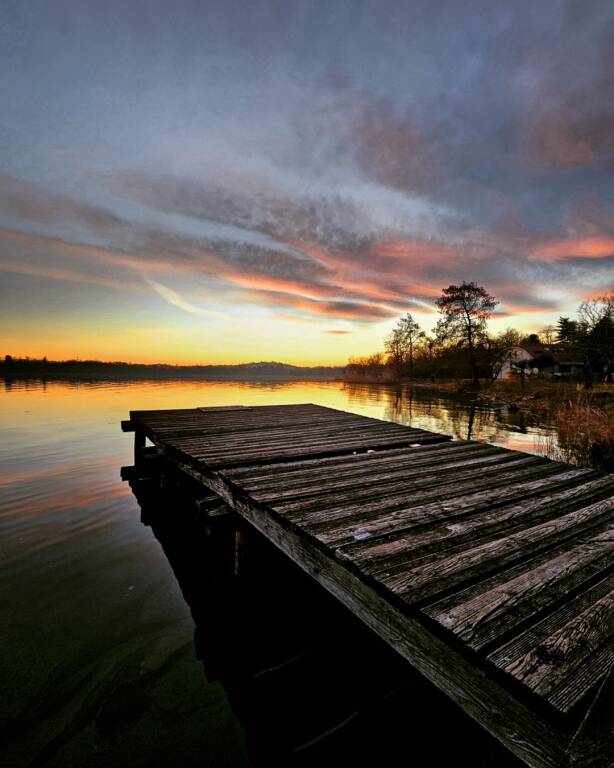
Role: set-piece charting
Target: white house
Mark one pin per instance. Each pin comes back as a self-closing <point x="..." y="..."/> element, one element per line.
<point x="514" y="360"/>
<point x="551" y="360"/>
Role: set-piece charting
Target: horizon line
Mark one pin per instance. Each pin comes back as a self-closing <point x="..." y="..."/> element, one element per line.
<point x="45" y="361"/>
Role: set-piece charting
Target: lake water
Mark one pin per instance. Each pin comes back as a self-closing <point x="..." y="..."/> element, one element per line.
<point x="97" y="645"/>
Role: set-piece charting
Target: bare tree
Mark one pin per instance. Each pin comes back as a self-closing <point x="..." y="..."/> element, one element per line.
<point x="593" y="311"/>
<point x="548" y="334"/>
<point x="412" y="336"/>
<point x="402" y="343"/>
<point x="464" y="310"/>
<point x="510" y="337"/>
<point x="597" y="335"/>
<point x="395" y="349"/>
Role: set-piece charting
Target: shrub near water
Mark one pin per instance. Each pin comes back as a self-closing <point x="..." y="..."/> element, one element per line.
<point x="586" y="433"/>
<point x="583" y="419"/>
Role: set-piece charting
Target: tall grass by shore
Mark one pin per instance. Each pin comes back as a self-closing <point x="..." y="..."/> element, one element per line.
<point x="585" y="433"/>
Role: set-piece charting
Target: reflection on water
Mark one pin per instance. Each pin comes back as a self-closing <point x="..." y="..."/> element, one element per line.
<point x="463" y="416"/>
<point x="97" y="642"/>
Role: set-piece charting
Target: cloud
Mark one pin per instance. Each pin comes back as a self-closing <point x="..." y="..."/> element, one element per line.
<point x="562" y="249"/>
<point x="26" y="201"/>
<point x="572" y="125"/>
<point x="80" y="253"/>
<point x="392" y="149"/>
<point x="66" y="275"/>
<point x="558" y="140"/>
<point x="286" y="249"/>
<point x="55" y="259"/>
<point x="274" y="163"/>
<point x="348" y="310"/>
<point x="173" y="298"/>
<point x="334" y="332"/>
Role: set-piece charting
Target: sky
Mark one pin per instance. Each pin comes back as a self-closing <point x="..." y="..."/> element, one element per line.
<point x="221" y="182"/>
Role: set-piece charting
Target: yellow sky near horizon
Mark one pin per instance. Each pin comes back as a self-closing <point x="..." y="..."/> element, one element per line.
<point x="182" y="339"/>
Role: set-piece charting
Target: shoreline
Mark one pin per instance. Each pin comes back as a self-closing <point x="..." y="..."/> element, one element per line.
<point x="539" y="396"/>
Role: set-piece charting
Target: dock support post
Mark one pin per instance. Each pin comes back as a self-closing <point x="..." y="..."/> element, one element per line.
<point x="139" y="446"/>
<point x="139" y="439"/>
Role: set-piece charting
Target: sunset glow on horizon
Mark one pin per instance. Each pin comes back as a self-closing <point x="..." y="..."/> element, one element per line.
<point x="238" y="182"/>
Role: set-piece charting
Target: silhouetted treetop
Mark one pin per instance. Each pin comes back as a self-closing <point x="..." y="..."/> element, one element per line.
<point x="464" y="310"/>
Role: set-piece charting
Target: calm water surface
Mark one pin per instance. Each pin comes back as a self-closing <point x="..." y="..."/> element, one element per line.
<point x="97" y="652"/>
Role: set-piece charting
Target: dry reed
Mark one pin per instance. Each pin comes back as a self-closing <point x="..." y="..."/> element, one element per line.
<point x="585" y="434"/>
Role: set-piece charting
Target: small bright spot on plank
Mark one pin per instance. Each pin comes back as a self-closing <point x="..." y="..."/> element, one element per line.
<point x="361" y="534"/>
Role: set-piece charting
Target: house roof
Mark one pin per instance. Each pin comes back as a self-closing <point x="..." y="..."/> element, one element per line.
<point x="559" y="353"/>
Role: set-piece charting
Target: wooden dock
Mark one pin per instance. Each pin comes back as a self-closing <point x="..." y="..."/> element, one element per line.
<point x="491" y="571"/>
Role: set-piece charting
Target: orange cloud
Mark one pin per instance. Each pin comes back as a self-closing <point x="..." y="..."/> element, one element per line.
<point x="573" y="247"/>
<point x="360" y="272"/>
<point x="347" y="310"/>
<point x="511" y="310"/>
<point x="278" y="284"/>
<point x="413" y="251"/>
<point x="595" y="295"/>
<point x="372" y="291"/>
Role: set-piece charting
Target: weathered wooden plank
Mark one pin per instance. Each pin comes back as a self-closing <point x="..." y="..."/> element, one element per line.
<point x="379" y="475"/>
<point x="205" y="448"/>
<point x="548" y="666"/>
<point x="503" y="517"/>
<point x="262" y="476"/>
<point x="176" y="422"/>
<point x="268" y="441"/>
<point x="249" y="419"/>
<point x="317" y="449"/>
<point x="222" y="408"/>
<point x="271" y="439"/>
<point x="442" y="573"/>
<point x="310" y="424"/>
<point x="423" y="485"/>
<point x="374" y="521"/>
<point x="488" y="610"/>
<point x="399" y="549"/>
<point x="584" y="678"/>
<point x="210" y="506"/>
<point x="522" y="644"/>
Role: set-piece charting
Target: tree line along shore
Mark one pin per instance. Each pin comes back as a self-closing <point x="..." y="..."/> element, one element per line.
<point x="462" y="349"/>
<point x="90" y="370"/>
<point x="562" y="372"/>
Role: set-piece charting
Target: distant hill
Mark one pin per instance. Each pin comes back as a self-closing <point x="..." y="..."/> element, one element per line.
<point x="19" y="368"/>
